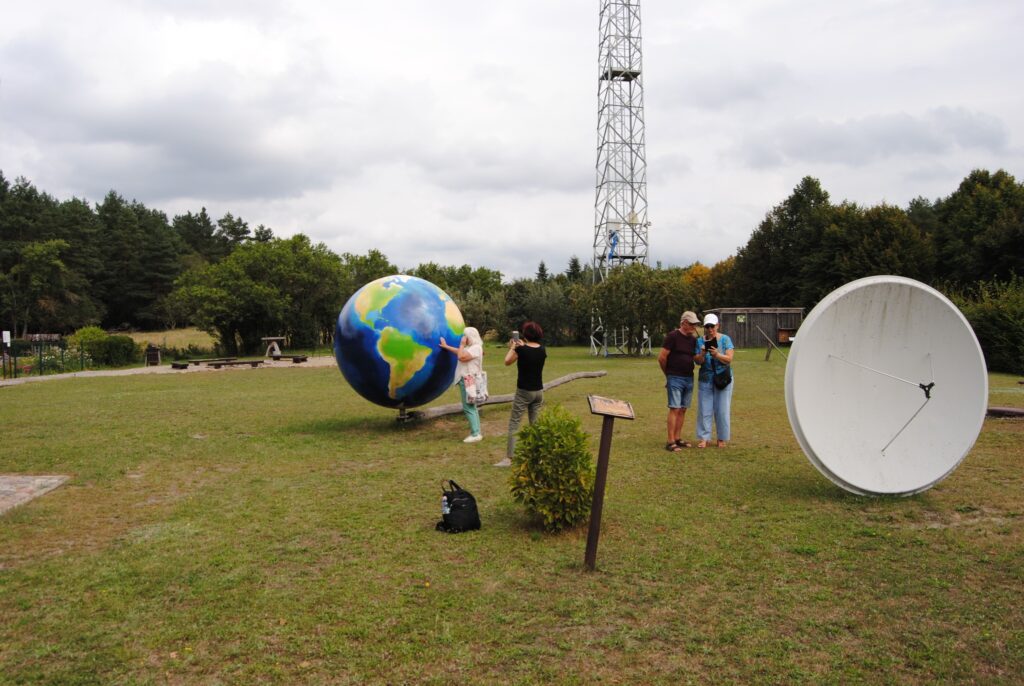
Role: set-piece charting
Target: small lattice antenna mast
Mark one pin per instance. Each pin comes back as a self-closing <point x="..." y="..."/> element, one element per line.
<point x="620" y="207"/>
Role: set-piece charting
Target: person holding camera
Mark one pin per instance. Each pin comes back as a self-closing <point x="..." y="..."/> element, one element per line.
<point x="470" y="354"/>
<point x="528" y="355"/>
<point x="714" y="402"/>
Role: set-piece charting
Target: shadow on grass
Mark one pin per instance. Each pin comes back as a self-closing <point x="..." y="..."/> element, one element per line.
<point x="813" y="488"/>
<point x="346" y="425"/>
<point x="805" y="484"/>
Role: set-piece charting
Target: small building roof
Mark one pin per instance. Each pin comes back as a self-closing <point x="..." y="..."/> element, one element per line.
<point x="760" y="310"/>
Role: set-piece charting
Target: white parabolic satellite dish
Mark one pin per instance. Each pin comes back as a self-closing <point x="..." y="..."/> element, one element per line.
<point x="886" y="386"/>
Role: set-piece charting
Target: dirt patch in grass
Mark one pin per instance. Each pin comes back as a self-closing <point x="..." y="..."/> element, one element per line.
<point x="981" y="517"/>
<point x="84" y="518"/>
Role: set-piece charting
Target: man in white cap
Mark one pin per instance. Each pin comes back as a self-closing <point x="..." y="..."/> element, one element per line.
<point x="676" y="360"/>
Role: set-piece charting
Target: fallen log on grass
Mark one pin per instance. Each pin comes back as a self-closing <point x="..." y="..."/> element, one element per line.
<point x="1006" y="412"/>
<point x="455" y="408"/>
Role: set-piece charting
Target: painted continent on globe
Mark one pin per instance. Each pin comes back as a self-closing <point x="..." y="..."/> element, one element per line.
<point x="387" y="339"/>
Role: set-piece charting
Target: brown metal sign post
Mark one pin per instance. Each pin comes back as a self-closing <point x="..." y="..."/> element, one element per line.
<point x="610" y="409"/>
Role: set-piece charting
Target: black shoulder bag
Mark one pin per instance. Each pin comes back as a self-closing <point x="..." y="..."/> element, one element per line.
<point x="458" y="510"/>
<point x="722" y="377"/>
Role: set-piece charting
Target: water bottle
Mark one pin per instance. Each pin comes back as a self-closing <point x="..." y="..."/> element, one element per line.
<point x="444" y="505"/>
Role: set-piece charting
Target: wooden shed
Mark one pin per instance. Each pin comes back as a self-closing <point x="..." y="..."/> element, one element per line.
<point x="741" y="324"/>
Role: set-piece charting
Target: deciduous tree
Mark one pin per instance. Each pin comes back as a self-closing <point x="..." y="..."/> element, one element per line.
<point x="284" y="287"/>
<point x="639" y="300"/>
<point x="980" y="234"/>
<point x="767" y="269"/>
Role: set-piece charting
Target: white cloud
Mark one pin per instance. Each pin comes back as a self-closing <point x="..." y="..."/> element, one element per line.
<point x="465" y="132"/>
<point x="858" y="142"/>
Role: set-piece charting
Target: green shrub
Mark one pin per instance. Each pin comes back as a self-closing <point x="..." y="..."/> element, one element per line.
<point x="552" y="471"/>
<point x="88" y="339"/>
<point x="117" y="351"/>
<point x="103" y="349"/>
<point x="996" y="313"/>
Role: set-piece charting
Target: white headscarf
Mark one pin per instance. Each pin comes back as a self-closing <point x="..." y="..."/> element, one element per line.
<point x="472" y="336"/>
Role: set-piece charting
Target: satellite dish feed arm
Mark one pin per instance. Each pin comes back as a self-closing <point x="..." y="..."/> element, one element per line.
<point x="927" y="388"/>
<point x="912" y="418"/>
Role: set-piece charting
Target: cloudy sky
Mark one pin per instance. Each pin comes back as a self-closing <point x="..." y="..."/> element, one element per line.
<point x="462" y="131"/>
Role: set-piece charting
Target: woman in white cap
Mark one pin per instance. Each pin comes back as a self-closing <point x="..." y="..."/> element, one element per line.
<point x="716" y="355"/>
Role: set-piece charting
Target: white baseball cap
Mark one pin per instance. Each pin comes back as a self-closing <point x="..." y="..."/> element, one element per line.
<point x="711" y="319"/>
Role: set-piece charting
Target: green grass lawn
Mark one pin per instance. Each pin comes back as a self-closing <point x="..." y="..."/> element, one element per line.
<point x="269" y="526"/>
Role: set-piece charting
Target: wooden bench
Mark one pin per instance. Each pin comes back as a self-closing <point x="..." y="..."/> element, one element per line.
<point x="179" y="365"/>
<point x="232" y="363"/>
<point x="211" y="360"/>
<point x="294" y="358"/>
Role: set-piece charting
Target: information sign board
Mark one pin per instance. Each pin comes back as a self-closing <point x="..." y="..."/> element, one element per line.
<point x="610" y="407"/>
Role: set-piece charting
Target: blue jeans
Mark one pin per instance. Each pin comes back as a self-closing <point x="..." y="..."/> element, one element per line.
<point x="469" y="409"/>
<point x="714" y="403"/>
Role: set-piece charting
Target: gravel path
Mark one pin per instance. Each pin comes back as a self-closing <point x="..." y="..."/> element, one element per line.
<point x="321" y="361"/>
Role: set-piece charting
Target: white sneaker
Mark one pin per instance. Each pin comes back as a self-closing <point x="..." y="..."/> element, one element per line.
<point x="504" y="463"/>
<point x="473" y="439"/>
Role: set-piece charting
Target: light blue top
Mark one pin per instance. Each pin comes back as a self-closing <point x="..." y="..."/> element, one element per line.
<point x="724" y="344"/>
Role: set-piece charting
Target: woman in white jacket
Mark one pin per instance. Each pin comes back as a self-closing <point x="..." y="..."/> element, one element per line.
<point x="471" y="355"/>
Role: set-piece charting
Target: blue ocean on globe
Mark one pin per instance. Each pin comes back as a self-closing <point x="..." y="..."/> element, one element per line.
<point x="387" y="337"/>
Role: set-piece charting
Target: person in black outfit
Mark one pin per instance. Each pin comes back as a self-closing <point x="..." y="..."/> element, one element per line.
<point x="529" y="356"/>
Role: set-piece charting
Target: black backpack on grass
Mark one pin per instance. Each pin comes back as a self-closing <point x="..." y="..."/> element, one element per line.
<point x="458" y="510"/>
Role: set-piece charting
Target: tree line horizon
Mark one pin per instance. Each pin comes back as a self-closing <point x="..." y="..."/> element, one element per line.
<point x="66" y="264"/>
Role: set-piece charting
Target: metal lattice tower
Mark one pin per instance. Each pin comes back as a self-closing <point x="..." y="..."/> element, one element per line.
<point x="620" y="207"/>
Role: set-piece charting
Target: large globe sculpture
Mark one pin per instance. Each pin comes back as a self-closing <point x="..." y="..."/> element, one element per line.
<point x="387" y="337"/>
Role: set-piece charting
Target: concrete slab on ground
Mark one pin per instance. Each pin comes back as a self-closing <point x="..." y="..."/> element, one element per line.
<point x="16" y="489"/>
